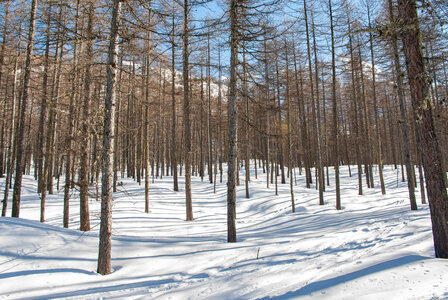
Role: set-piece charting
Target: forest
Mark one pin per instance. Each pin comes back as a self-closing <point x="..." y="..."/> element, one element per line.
<point x="96" y="94"/>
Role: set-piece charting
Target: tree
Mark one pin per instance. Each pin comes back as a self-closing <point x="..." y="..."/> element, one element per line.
<point x="187" y="134"/>
<point x="146" y="139"/>
<point x="232" y="159"/>
<point x="2" y="62"/>
<point x="421" y="101"/>
<point x="404" y="121"/>
<point x="375" y="106"/>
<point x="288" y="118"/>
<point x="335" y="111"/>
<point x="12" y="143"/>
<point x="24" y="100"/>
<point x="316" y="121"/>
<point x="105" y="245"/>
<point x="173" y="106"/>
<point x="85" y="143"/>
<point x="71" y="123"/>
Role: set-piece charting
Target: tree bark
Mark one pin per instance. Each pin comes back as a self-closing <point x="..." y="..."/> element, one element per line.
<point x="85" y="131"/>
<point x="2" y="62"/>
<point x="419" y="83"/>
<point x="12" y="141"/>
<point x="71" y="125"/>
<point x="375" y="110"/>
<point x="316" y="121"/>
<point x="290" y="146"/>
<point x="24" y="101"/>
<point x="232" y="138"/>
<point x="173" y="109"/>
<point x="105" y="246"/>
<point x="186" y="80"/>
<point x="404" y="119"/>
<point x="335" y="112"/>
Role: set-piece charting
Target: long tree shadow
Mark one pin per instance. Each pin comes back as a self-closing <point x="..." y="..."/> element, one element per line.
<point x="44" y="271"/>
<point x="329" y="283"/>
<point x="105" y="289"/>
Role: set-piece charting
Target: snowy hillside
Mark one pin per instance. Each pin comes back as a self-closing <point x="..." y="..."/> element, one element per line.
<point x="375" y="248"/>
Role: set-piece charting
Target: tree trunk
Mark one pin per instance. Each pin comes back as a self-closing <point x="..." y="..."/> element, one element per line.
<point x="146" y="139"/>
<point x="246" y="126"/>
<point x="288" y="117"/>
<point x="209" y="118"/>
<point x="85" y="131"/>
<point x="2" y="62"/>
<point x="186" y="79"/>
<point x="366" y="125"/>
<point x="335" y="113"/>
<point x="173" y="110"/>
<point x="71" y="125"/>
<point x="24" y="101"/>
<point x="12" y="141"/>
<point x="105" y="246"/>
<point x="267" y="108"/>
<point x="316" y="121"/>
<point x="375" y="109"/>
<point x="404" y="119"/>
<point x="304" y="129"/>
<point x="232" y="138"/>
<point x="419" y="84"/>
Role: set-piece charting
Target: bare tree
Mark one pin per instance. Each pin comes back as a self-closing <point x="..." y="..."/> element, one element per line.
<point x="421" y="101"/>
<point x="187" y="134"/>
<point x="105" y="246"/>
<point x="232" y="156"/>
<point x="404" y="121"/>
<point x="23" y="105"/>
<point x="85" y="143"/>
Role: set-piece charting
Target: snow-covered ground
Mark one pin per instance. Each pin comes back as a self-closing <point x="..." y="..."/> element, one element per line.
<point x="375" y="248"/>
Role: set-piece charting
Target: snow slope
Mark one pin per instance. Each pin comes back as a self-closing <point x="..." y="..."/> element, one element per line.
<point x="375" y="248"/>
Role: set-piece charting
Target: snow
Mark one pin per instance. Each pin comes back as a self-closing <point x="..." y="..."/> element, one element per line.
<point x="375" y="248"/>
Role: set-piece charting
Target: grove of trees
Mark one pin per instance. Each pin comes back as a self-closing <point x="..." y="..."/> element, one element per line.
<point x="92" y="91"/>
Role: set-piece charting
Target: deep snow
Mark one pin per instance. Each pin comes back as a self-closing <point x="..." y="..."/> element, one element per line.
<point x="375" y="248"/>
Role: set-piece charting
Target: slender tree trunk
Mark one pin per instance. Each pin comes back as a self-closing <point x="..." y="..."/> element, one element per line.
<point x="368" y="142"/>
<point x="220" y="140"/>
<point x="288" y="117"/>
<point x="375" y="109"/>
<point x="24" y="101"/>
<point x="279" y="125"/>
<point x="105" y="246"/>
<point x="355" y="109"/>
<point x="304" y="129"/>
<point x="321" y="175"/>
<point x="316" y="121"/>
<point x="85" y="143"/>
<point x="71" y="124"/>
<point x="201" y="128"/>
<point x="50" y="136"/>
<point x="267" y="106"/>
<point x="146" y="140"/>
<point x="335" y="112"/>
<point x="2" y="62"/>
<point x="209" y="118"/>
<point x="232" y="138"/>
<point x="246" y="125"/>
<point x="186" y="79"/>
<point x="404" y="121"/>
<point x="173" y="109"/>
<point x="43" y="109"/>
<point x="118" y="132"/>
<point x="12" y="141"/>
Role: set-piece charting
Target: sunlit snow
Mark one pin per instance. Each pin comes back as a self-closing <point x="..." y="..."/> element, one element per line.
<point x="375" y="248"/>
